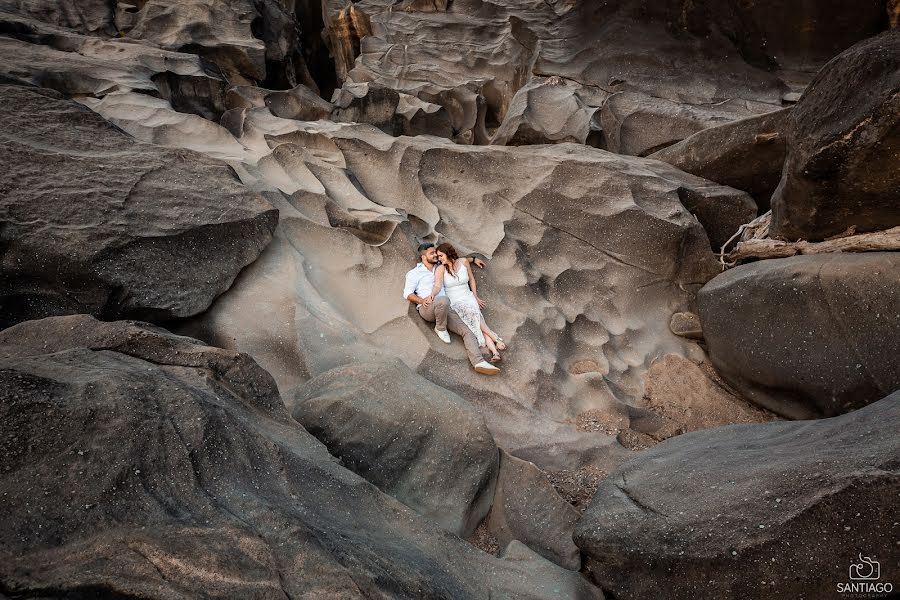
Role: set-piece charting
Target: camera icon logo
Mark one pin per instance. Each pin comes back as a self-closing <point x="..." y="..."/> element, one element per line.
<point x="865" y="570"/>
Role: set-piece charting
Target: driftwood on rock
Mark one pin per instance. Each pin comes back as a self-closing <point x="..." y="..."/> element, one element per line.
<point x="755" y="244"/>
<point x="877" y="241"/>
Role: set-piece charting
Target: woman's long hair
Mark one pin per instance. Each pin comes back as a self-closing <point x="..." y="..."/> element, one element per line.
<point x="450" y="251"/>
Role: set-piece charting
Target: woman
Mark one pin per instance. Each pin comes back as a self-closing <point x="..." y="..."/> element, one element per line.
<point x="455" y="275"/>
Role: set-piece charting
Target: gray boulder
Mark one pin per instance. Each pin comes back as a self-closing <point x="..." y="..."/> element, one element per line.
<point x="762" y="511"/>
<point x="416" y="441"/>
<point x="843" y="162"/>
<point x="807" y="336"/>
<point x="527" y="508"/>
<point x="142" y="464"/>
<point x="93" y="221"/>
<point x="747" y="154"/>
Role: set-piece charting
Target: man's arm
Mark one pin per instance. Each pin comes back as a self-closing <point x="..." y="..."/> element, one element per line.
<point x="409" y="290"/>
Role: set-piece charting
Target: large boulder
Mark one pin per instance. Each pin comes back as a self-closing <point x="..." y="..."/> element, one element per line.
<point x="807" y="336"/>
<point x="747" y="154"/>
<point x="418" y="442"/>
<point x="146" y="465"/>
<point x="843" y="163"/>
<point x="773" y="510"/>
<point x="93" y="221"/>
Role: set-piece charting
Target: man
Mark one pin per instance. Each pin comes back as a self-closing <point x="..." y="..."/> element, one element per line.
<point x="419" y="282"/>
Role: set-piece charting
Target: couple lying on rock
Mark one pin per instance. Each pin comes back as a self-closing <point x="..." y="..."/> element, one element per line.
<point x="442" y="286"/>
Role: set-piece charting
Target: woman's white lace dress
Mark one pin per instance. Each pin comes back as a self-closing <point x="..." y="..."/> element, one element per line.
<point x="462" y="300"/>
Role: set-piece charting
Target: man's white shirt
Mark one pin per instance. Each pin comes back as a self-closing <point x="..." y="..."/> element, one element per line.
<point x="420" y="280"/>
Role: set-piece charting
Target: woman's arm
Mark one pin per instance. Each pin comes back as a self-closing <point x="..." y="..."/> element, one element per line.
<point x="438" y="281"/>
<point x="474" y="286"/>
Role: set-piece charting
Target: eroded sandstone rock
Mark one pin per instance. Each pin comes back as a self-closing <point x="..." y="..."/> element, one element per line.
<point x="93" y="221"/>
<point x="807" y="336"/>
<point x="420" y="443"/>
<point x="748" y="511"/>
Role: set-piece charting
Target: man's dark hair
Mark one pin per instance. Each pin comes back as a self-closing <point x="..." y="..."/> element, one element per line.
<point x="423" y="247"/>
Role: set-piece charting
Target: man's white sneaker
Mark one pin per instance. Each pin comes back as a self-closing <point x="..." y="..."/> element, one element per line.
<point x="486" y="368"/>
<point x="445" y="337"/>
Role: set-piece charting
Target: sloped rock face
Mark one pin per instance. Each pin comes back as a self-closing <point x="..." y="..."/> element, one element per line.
<point x="749" y="511"/>
<point x="527" y="508"/>
<point x="157" y="234"/>
<point x="143" y="464"/>
<point x="418" y="442"/>
<point x="747" y="154"/>
<point x="843" y="163"/>
<point x="807" y="336"/>
<point x="639" y="124"/>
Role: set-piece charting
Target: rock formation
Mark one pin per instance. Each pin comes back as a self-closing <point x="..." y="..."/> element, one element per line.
<point x="256" y="174"/>
<point x="747" y="154"/>
<point x="807" y="336"/>
<point x="843" y="163"/>
<point x="157" y="234"/>
<point x="748" y="511"/>
<point x="418" y="442"/>
<point x="143" y="464"/>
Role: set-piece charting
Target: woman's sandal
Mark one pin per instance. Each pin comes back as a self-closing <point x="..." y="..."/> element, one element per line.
<point x="501" y="345"/>
<point x="496" y="358"/>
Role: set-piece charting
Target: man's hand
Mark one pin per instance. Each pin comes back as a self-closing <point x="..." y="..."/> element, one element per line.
<point x="427" y="300"/>
<point x="478" y="262"/>
<point x="481" y="302"/>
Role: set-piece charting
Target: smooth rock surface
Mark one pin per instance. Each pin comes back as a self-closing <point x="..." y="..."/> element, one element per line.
<point x="640" y="124"/>
<point x="843" y="163"/>
<point x="527" y="508"/>
<point x="761" y="511"/>
<point x="639" y="255"/>
<point x="143" y="464"/>
<point x="747" y="154"/>
<point x="417" y="442"/>
<point x="686" y="324"/>
<point x="157" y="234"/>
<point x="807" y="336"/>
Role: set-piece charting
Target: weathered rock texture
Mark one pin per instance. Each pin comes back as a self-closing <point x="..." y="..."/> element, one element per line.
<point x="807" y="336"/>
<point x="591" y="253"/>
<point x="143" y="464"/>
<point x="418" y="442"/>
<point x="749" y="511"/>
<point x="527" y="508"/>
<point x="685" y="67"/>
<point x="843" y="163"/>
<point x="747" y="154"/>
<point x="157" y="233"/>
